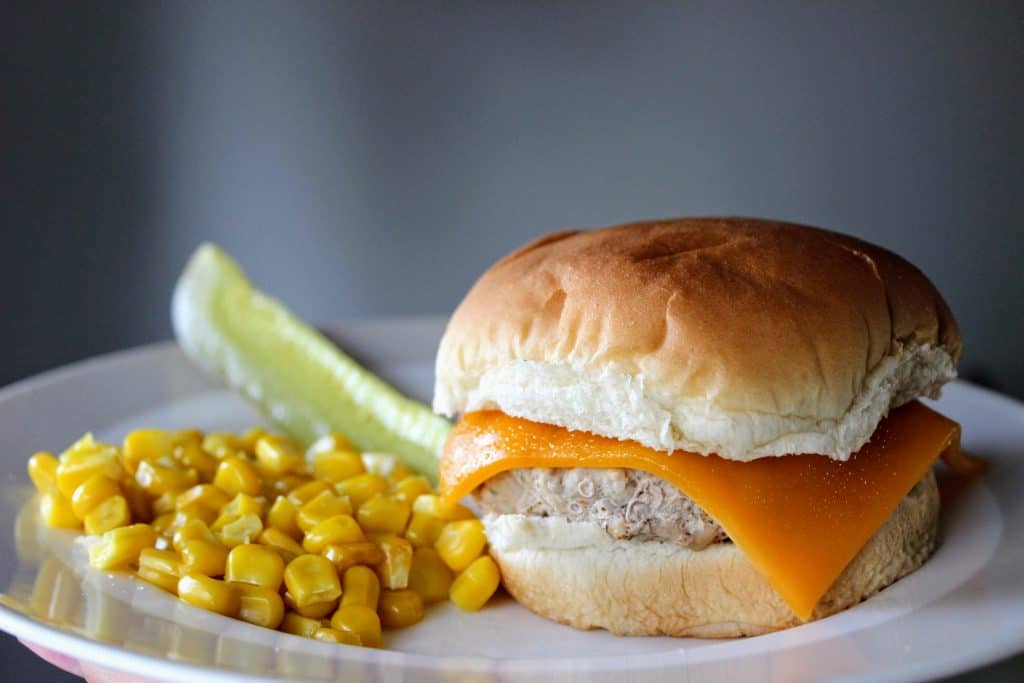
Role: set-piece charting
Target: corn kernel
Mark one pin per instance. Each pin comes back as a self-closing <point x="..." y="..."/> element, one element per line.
<point x="474" y="587"/>
<point x="188" y="435"/>
<point x="243" y="529"/>
<point x="145" y="444"/>
<point x="400" y="608"/>
<point x="316" y="610"/>
<point x="259" y="605"/>
<point x="157" y="479"/>
<point x="335" y="466"/>
<point x="251" y="436"/>
<point x="222" y="444"/>
<point x="394" y="570"/>
<point x="42" y="470"/>
<point x="282" y="486"/>
<point x="165" y="503"/>
<point x="360" y="586"/>
<point x="383" y="515"/>
<point x="76" y="466"/>
<point x="460" y="543"/>
<point x="193" y="528"/>
<point x="410" y="488"/>
<point x="303" y="494"/>
<point x="279" y="455"/>
<point x="256" y="565"/>
<point x="434" y="505"/>
<point x="310" y="579"/>
<point x="210" y="594"/>
<point x="91" y="493"/>
<point x="207" y="495"/>
<point x="323" y="507"/>
<point x="329" y="442"/>
<point x="332" y="531"/>
<point x="139" y="502"/>
<point x="424" y="530"/>
<point x="160" y="568"/>
<point x="429" y="576"/>
<point x="56" y="511"/>
<point x="191" y="454"/>
<point x="244" y="504"/>
<point x="361" y="487"/>
<point x="235" y="475"/>
<point x="331" y="635"/>
<point x="193" y="511"/>
<point x="298" y="625"/>
<point x="282" y="516"/>
<point x="164" y="524"/>
<point x="200" y="556"/>
<point x="360" y="621"/>
<point x="110" y="514"/>
<point x="350" y="554"/>
<point x="279" y="540"/>
<point x="119" y="548"/>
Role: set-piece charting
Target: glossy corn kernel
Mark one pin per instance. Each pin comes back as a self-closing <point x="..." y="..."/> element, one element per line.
<point x="244" y="529"/>
<point x="193" y="511"/>
<point x="110" y="514"/>
<point x="191" y="454"/>
<point x="279" y="540"/>
<point x="251" y="436"/>
<point x="424" y="530"/>
<point x="360" y="621"/>
<point x="210" y="594"/>
<point x="429" y="576"/>
<point x="327" y="443"/>
<point x="42" y="470"/>
<point x="222" y="444"/>
<point x="235" y="475"/>
<point x="161" y="568"/>
<point x="411" y="488"/>
<point x="311" y="579"/>
<point x="316" y="610"/>
<point x="298" y="625"/>
<point x="394" y="570"/>
<point x="164" y="524"/>
<point x="400" y="608"/>
<point x="165" y="503"/>
<point x="282" y="486"/>
<point x="332" y="635"/>
<point x="282" y="516"/>
<point x="360" y="586"/>
<point x="139" y="502"/>
<point x="433" y="505"/>
<point x="350" y="554"/>
<point x="476" y="584"/>
<point x="91" y="493"/>
<point x="207" y="495"/>
<point x="120" y="548"/>
<point x="383" y="515"/>
<point x="76" y="466"/>
<point x="259" y="605"/>
<point x="187" y="435"/>
<point x="322" y="507"/>
<point x="278" y="455"/>
<point x="146" y="444"/>
<point x="334" y="530"/>
<point x="460" y="543"/>
<point x="200" y="556"/>
<point x="361" y="487"/>
<point x="56" y="511"/>
<point x="244" y="504"/>
<point x="301" y="495"/>
<point x="157" y="479"/>
<point x="192" y="529"/>
<point x="256" y="565"/>
<point x="335" y="466"/>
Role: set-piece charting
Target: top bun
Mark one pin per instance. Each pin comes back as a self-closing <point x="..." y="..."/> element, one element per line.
<point x="741" y="337"/>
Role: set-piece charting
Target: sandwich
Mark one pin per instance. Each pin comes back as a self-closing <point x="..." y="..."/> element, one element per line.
<point x="701" y="427"/>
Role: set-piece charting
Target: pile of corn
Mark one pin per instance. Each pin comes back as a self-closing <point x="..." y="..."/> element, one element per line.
<point x="326" y="543"/>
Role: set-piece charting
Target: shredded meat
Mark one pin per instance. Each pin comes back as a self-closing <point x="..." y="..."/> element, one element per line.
<point x="626" y="503"/>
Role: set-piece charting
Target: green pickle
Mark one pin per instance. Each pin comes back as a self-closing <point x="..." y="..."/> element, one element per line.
<point x="296" y="376"/>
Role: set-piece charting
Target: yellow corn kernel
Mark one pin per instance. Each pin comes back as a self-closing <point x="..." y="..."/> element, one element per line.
<point x="56" y="511"/>
<point x="78" y="465"/>
<point x="360" y="586"/>
<point x="329" y="442"/>
<point x="400" y="608"/>
<point x="161" y="568"/>
<point x="282" y="516"/>
<point x="193" y="511"/>
<point x="358" y="620"/>
<point x="91" y="493"/>
<point x="120" y="548"/>
<point x="424" y="530"/>
<point x="361" y="487"/>
<point x="235" y="475"/>
<point x="332" y="635"/>
<point x="474" y="587"/>
<point x="433" y="505"/>
<point x="244" y="529"/>
<point x="275" y="538"/>
<point x="256" y="565"/>
<point x="460" y="543"/>
<point x="301" y="495"/>
<point x="157" y="479"/>
<point x="193" y="528"/>
<point x="350" y="554"/>
<point x="335" y="466"/>
<point x="383" y="515"/>
<point x="279" y="455"/>
<point x="332" y="531"/>
<point x="259" y="605"/>
<point x="282" y="486"/>
<point x="165" y="503"/>
<point x="244" y="504"/>
<point x="164" y="524"/>
<point x="298" y="625"/>
<point x="394" y="570"/>
<point x="322" y="507"/>
<point x="188" y="435"/>
<point x="222" y="444"/>
<point x="429" y="576"/>
<point x="251" y="436"/>
<point x="110" y="514"/>
<point x="210" y="594"/>
<point x="316" y="610"/>
<point x="145" y="444"/>
<point x="191" y="454"/>
<point x="139" y="502"/>
<point x="200" y="556"/>
<point x="206" y="495"/>
<point x="399" y="473"/>
<point x="411" y="487"/>
<point x="42" y="470"/>
<point x="311" y="579"/>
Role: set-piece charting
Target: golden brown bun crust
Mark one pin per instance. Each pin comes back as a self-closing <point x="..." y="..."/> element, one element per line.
<point x="641" y="588"/>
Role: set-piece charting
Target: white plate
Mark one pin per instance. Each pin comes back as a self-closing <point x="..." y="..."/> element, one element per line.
<point x="964" y="608"/>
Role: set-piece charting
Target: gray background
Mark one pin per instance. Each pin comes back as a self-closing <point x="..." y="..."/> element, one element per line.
<point x="372" y="159"/>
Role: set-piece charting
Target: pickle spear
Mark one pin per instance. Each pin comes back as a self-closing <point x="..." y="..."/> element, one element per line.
<point x="299" y="379"/>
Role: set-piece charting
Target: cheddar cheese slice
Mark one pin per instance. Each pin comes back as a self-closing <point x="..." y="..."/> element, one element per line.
<point x="800" y="519"/>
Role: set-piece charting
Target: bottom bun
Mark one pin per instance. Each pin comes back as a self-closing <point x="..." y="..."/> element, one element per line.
<point x="573" y="573"/>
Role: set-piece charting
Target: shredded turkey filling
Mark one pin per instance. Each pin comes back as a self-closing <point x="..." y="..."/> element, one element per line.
<point x="626" y="503"/>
